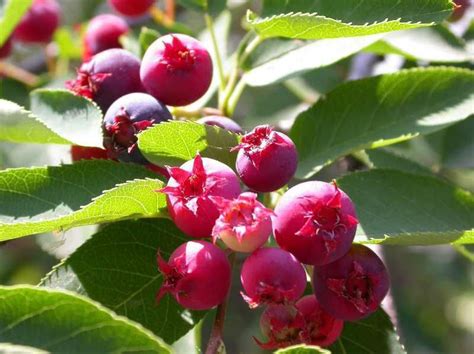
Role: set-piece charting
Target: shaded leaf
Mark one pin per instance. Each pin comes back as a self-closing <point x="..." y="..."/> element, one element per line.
<point x="12" y="11"/>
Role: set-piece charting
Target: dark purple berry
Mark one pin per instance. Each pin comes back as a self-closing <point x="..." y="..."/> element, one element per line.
<point x="221" y="122"/>
<point x="39" y="22"/>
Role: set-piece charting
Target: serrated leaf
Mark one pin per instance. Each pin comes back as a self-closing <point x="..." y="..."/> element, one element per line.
<point x="309" y="19"/>
<point x="62" y="322"/>
<point x="12" y="11"/>
<point x="36" y="200"/>
<point x="379" y="111"/>
<point x="399" y="208"/>
<point x="173" y="143"/>
<point x="303" y="349"/>
<point x="125" y="277"/>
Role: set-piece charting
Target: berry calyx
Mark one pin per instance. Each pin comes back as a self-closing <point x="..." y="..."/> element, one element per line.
<point x="352" y="287"/>
<point x="221" y="122"/>
<point x="39" y="22"/>
<point x="132" y="8"/>
<point x="244" y="223"/>
<point x="316" y="222"/>
<point x="267" y="159"/>
<point x="128" y="116"/>
<point x="272" y="275"/>
<point x="79" y="153"/>
<point x="197" y="275"/>
<point x="6" y="48"/>
<point x="174" y="62"/>
<point x="102" y="33"/>
<point x="191" y="190"/>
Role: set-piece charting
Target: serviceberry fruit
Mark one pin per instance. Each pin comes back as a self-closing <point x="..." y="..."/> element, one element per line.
<point x="272" y="275"/>
<point x="197" y="275"/>
<point x="320" y="328"/>
<point x="102" y="33"/>
<point x="460" y="9"/>
<point x="39" y="22"/>
<point x="79" y="153"/>
<point x="191" y="190"/>
<point x="110" y="75"/>
<point x="352" y="287"/>
<point x="244" y="223"/>
<point x="132" y="7"/>
<point x="176" y="69"/>
<point x="316" y="222"/>
<point x="6" y="48"/>
<point x="221" y="122"/>
<point x="128" y="116"/>
<point x="267" y="159"/>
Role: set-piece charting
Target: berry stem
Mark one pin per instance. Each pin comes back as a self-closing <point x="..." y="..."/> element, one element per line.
<point x="216" y="343"/>
<point x="217" y="54"/>
<point x="462" y="250"/>
<point x="19" y="74"/>
<point x="170" y="9"/>
<point x="160" y="17"/>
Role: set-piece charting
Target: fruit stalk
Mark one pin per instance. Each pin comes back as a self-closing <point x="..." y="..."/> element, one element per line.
<point x="217" y="54"/>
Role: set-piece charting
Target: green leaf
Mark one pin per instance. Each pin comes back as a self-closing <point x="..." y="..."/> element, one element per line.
<point x="61" y="322"/>
<point x="117" y="267"/>
<point x="379" y="111"/>
<point x="309" y="19"/>
<point x="374" y="334"/>
<point x="146" y="38"/>
<point x="458" y="145"/>
<point x="36" y="200"/>
<point x="12" y="11"/>
<point x="6" y="348"/>
<point x="173" y="143"/>
<point x="212" y="6"/>
<point x="399" y="208"/>
<point x="302" y="349"/>
<point x="68" y="43"/>
<point x="388" y="159"/>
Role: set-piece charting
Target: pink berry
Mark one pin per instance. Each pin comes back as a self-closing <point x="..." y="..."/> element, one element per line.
<point x="79" y="153"/>
<point x="316" y="222"/>
<point x="103" y="32"/>
<point x="272" y="275"/>
<point x="221" y="122"/>
<point x="320" y="328"/>
<point x="352" y="287"/>
<point x="39" y="22"/>
<point x="197" y="275"/>
<point x="176" y="70"/>
<point x="132" y="7"/>
<point x="267" y="159"/>
<point x="191" y="190"/>
<point x="244" y="223"/>
<point x="6" y="49"/>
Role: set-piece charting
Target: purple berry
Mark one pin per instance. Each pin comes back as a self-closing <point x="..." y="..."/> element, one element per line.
<point x="272" y="275"/>
<point x="352" y="287"/>
<point x="176" y="69"/>
<point x="267" y="159"/>
<point x="132" y="7"/>
<point x="110" y="75"/>
<point x="197" y="275"/>
<point x="39" y="22"/>
<point x="316" y="222"/>
<point x="103" y="32"/>
<point x="222" y="122"/>
<point x="191" y="191"/>
<point x="128" y="116"/>
<point x="6" y="49"/>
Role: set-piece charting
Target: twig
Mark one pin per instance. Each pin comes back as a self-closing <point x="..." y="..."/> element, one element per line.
<point x="19" y="74"/>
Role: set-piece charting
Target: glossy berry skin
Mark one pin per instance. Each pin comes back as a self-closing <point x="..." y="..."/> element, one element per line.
<point x="176" y="70"/>
<point x="131" y="7"/>
<point x="39" y="22"/>
<point x="222" y="122"/>
<point x="352" y="287"/>
<point x="128" y="116"/>
<point x="79" y="153"/>
<point x="272" y="275"/>
<point x="197" y="275"/>
<point x="244" y="223"/>
<point x="191" y="192"/>
<point x="316" y="222"/>
<point x="320" y="328"/>
<point x="110" y="75"/>
<point x="102" y="33"/>
<point x="267" y="159"/>
<point x="6" y="49"/>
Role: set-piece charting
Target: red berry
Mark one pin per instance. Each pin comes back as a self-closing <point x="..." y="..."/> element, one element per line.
<point x="221" y="122"/>
<point x="103" y="32"/>
<point x="110" y="75"/>
<point x="267" y="159"/>
<point x="87" y="153"/>
<point x="197" y="275"/>
<point x="191" y="190"/>
<point x="272" y="275"/>
<point x="132" y="7"/>
<point x="320" y="328"/>
<point x="176" y="70"/>
<point x="316" y="222"/>
<point x="6" y="49"/>
<point x="39" y="22"/>
<point x="352" y="287"/>
<point x="244" y="223"/>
